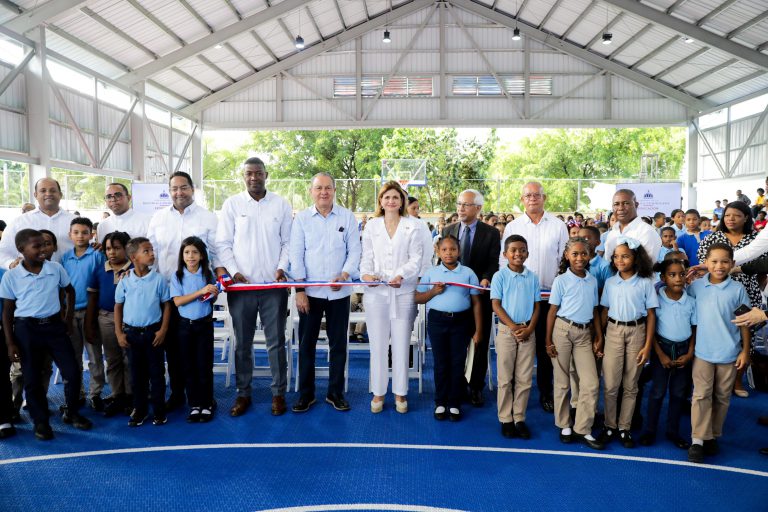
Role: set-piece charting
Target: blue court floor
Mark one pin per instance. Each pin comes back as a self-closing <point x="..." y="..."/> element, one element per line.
<point x="327" y="460"/>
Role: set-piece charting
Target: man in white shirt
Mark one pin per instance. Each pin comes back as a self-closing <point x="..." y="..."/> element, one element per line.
<point x="123" y="218"/>
<point x="629" y="224"/>
<point x="325" y="246"/>
<point x="428" y="245"/>
<point x="546" y="236"/>
<point x="48" y="216"/>
<point x="167" y="229"/>
<point x="252" y="241"/>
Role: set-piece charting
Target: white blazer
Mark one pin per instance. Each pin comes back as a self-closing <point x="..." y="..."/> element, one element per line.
<point x="387" y="257"/>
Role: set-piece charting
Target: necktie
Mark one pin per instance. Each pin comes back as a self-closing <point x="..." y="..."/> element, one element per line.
<point x="465" y="246"/>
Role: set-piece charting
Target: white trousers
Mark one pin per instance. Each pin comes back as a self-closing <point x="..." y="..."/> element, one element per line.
<point x="390" y="322"/>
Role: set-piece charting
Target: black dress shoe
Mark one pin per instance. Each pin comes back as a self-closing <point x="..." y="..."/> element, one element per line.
<point x="678" y="441"/>
<point x="566" y="438"/>
<point x="763" y="451"/>
<point x="441" y="413"/>
<point x="303" y="404"/>
<point x="711" y="448"/>
<point x="43" y="431"/>
<point x="762" y="420"/>
<point x="476" y="398"/>
<point x="548" y="404"/>
<point x="626" y="439"/>
<point x="454" y="414"/>
<point x="76" y="420"/>
<point x="337" y="401"/>
<point x="696" y="453"/>
<point x="522" y="430"/>
<point x="508" y="430"/>
<point x="97" y="404"/>
<point x="7" y="432"/>
<point x="606" y="435"/>
<point x="595" y="444"/>
<point x="648" y="439"/>
<point x="115" y="406"/>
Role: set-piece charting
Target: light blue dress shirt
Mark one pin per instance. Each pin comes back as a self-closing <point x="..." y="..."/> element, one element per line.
<point x="674" y="318"/>
<point x="80" y="270"/>
<point x="601" y="269"/>
<point x="36" y="295"/>
<point x="142" y="298"/>
<point x="576" y="297"/>
<point x="629" y="299"/>
<point x="472" y="231"/>
<point x="454" y="299"/>
<point x="517" y="291"/>
<point x="321" y="248"/>
<point x="196" y="309"/>
<point x="717" y="339"/>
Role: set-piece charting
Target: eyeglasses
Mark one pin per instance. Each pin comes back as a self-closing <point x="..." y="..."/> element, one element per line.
<point x="532" y="196"/>
<point x="465" y="205"/>
<point x="182" y="188"/>
<point x="116" y="196"/>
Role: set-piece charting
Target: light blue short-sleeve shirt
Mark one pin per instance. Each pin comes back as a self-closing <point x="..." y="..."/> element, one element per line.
<point x="674" y="318"/>
<point x="81" y="269"/>
<point x="142" y="298"/>
<point x="575" y="297"/>
<point x="36" y="295"/>
<point x="517" y="291"/>
<point x="455" y="298"/>
<point x="601" y="269"/>
<point x="629" y="299"/>
<point x="718" y="340"/>
<point x="196" y="309"/>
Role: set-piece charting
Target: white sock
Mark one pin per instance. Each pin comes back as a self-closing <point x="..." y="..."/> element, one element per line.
<point x="5" y="426"/>
<point x="566" y="431"/>
<point x="589" y="437"/>
<point x="454" y="410"/>
<point x="699" y="442"/>
<point x="439" y="409"/>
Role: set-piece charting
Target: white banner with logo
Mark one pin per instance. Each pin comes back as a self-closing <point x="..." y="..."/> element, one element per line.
<point x="655" y="197"/>
<point x="150" y="197"/>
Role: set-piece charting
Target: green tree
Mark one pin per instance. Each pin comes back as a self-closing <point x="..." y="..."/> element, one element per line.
<point x="15" y="183"/>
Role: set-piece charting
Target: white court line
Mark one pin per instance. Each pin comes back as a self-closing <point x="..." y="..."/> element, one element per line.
<point x="361" y="506"/>
<point x="486" y="449"/>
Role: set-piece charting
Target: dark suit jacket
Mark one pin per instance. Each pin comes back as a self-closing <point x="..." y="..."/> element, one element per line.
<point x="486" y="246"/>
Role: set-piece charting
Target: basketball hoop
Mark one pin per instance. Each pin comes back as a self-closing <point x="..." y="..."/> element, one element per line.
<point x="404" y="183"/>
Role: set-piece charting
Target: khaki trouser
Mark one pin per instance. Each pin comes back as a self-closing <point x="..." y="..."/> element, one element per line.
<point x="118" y="368"/>
<point x="574" y="343"/>
<point x="95" y="356"/>
<point x="515" y="367"/>
<point x="712" y="386"/>
<point x="622" y="344"/>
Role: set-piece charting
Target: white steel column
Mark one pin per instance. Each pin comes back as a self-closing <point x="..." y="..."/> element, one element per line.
<point x="138" y="142"/>
<point x="196" y="155"/>
<point x="38" y="124"/>
<point x="692" y="158"/>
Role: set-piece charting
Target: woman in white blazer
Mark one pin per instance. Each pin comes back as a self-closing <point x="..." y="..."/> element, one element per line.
<point x="392" y="252"/>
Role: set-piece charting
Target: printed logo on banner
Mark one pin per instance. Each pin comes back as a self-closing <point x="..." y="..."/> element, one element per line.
<point x="648" y="195"/>
<point x="655" y="197"/>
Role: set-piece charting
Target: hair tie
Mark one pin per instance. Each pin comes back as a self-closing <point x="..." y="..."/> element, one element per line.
<point x="629" y="242"/>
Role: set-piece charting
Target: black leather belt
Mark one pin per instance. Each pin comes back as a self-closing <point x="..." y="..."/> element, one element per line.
<point x="141" y="330"/>
<point x="40" y="321"/>
<point x="448" y="314"/>
<point x="574" y="324"/>
<point x="633" y="323"/>
<point x="198" y="321"/>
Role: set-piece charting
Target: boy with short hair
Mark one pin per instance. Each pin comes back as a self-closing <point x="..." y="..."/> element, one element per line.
<point x="705" y="224"/>
<point x="598" y="267"/>
<point x="760" y="221"/>
<point x="142" y="315"/>
<point x="515" y="298"/>
<point x="33" y="327"/>
<point x="658" y="221"/>
<point x="689" y="241"/>
<point x="668" y="242"/>
<point x="81" y="263"/>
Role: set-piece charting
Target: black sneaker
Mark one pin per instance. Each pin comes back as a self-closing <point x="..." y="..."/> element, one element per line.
<point x="566" y="438"/>
<point x="522" y="430"/>
<point x="711" y="448"/>
<point x="43" y="431"/>
<point x="678" y="441"/>
<point x="194" y="415"/>
<point x="303" y="404"/>
<point x="696" y="453"/>
<point x="626" y="439"/>
<point x="593" y="443"/>
<point x="114" y="407"/>
<point x="206" y="414"/>
<point x="337" y="401"/>
<point x="607" y="435"/>
<point x="137" y="418"/>
<point x="7" y="432"/>
<point x="647" y="439"/>
<point x="97" y="404"/>
<point x="76" y="420"/>
<point x="508" y="430"/>
<point x="159" y="419"/>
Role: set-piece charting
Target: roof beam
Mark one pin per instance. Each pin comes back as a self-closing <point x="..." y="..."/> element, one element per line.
<point x="584" y="54"/>
<point x="707" y="73"/>
<point x="215" y="68"/>
<point x="550" y="12"/>
<point x="675" y="6"/>
<point x="217" y="37"/>
<point x="746" y="26"/>
<point x="705" y="36"/>
<point x="752" y="76"/>
<point x="112" y="28"/>
<point x="669" y="42"/>
<point x="681" y="62"/>
<point x="162" y="26"/>
<point x="615" y="53"/>
<point x="11" y="6"/>
<point x="714" y="12"/>
<point x="233" y="9"/>
<point x="45" y="13"/>
<point x="606" y="28"/>
<point x="341" y="16"/>
<point x="191" y="10"/>
<point x="10" y="77"/>
<point x="309" y="52"/>
<point x="189" y="78"/>
<point x="264" y="45"/>
<point x="578" y="19"/>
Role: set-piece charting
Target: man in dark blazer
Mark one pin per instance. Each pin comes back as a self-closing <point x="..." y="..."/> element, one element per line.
<point x="479" y="246"/>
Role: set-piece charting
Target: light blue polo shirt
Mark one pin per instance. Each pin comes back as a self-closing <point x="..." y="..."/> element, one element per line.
<point x="2" y="273"/>
<point x="718" y="340"/>
<point x="663" y="253"/>
<point x="517" y="292"/>
<point x="142" y="298"/>
<point x="575" y="297"/>
<point x="80" y="270"/>
<point x="36" y="295"/>
<point x="629" y="299"/>
<point x="196" y="309"/>
<point x="455" y="298"/>
<point x="601" y="269"/>
<point x="674" y="318"/>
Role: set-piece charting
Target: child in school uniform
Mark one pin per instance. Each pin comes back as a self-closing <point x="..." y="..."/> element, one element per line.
<point x="6" y="392"/>
<point x="142" y="315"/>
<point x="515" y="298"/>
<point x="690" y="240"/>
<point x="678" y="222"/>
<point x="81" y="263"/>
<point x="193" y="280"/>
<point x="672" y="352"/>
<point x="598" y="266"/>
<point x="668" y="242"/>
<point x="721" y="349"/>
<point x="629" y="320"/>
<point x="100" y="320"/>
<point x="573" y="331"/>
<point x="452" y="312"/>
<point x="33" y="327"/>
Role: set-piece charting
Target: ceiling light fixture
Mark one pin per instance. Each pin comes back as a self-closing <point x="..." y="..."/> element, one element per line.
<point x="386" y="38"/>
<point x="687" y="39"/>
<point x="299" y="43"/>
<point x="516" y="34"/>
<point x="218" y="46"/>
<point x="607" y="38"/>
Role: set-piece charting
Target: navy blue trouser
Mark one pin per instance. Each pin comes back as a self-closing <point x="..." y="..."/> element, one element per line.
<point x="450" y="336"/>
<point x="147" y="368"/>
<point x="674" y="379"/>
<point x="336" y="321"/>
<point x="196" y="343"/>
<point x="35" y="339"/>
<point x="6" y="391"/>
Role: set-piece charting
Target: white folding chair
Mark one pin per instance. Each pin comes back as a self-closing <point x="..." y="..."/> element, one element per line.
<point x="223" y="336"/>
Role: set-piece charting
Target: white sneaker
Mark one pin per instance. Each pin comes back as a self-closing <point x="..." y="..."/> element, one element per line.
<point x="377" y="407"/>
<point x="401" y="407"/>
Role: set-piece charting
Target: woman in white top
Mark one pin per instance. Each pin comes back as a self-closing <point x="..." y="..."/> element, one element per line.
<point x="392" y="252"/>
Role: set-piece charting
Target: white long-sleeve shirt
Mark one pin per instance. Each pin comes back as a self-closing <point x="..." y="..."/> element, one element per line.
<point x="546" y="243"/>
<point x="754" y="250"/>
<point x="58" y="224"/>
<point x="253" y="236"/>
<point x="640" y="231"/>
<point x="387" y="257"/>
<point x="168" y="228"/>
<point x="131" y="222"/>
